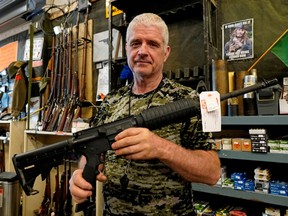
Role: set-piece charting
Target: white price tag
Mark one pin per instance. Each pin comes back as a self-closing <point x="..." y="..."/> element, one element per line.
<point x="210" y="111"/>
<point x="212" y="103"/>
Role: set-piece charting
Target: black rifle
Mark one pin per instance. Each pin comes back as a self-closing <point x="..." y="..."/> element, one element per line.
<point x="92" y="142"/>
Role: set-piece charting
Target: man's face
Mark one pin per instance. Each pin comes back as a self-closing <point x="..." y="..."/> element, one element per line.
<point x="145" y="51"/>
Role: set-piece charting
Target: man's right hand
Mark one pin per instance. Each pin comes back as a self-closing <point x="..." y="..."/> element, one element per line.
<point x="80" y="189"/>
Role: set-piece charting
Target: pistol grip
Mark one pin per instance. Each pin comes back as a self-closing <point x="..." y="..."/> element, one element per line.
<point x="91" y="169"/>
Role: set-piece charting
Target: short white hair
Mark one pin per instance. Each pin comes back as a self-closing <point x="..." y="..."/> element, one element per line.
<point x="149" y="19"/>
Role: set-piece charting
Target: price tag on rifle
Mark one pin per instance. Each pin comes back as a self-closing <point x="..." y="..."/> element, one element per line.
<point x="210" y="111"/>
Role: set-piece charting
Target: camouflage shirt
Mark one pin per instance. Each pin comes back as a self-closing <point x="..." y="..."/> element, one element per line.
<point x="153" y="188"/>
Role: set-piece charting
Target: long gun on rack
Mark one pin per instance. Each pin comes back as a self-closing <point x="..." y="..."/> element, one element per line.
<point x="54" y="64"/>
<point x="75" y="80"/>
<point x="92" y="142"/>
<point x="82" y="97"/>
<point x="68" y="91"/>
<point x="52" y="126"/>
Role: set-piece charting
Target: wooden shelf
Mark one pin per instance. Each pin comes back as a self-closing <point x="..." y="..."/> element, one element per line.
<point x="15" y="141"/>
<point x="33" y="140"/>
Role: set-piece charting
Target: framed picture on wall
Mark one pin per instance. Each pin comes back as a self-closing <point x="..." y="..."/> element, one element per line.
<point x="237" y="40"/>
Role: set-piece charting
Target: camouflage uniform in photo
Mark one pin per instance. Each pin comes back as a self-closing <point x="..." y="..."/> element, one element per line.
<point x="154" y="188"/>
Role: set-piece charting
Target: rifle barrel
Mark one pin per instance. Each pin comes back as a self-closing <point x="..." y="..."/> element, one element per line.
<point x="251" y="88"/>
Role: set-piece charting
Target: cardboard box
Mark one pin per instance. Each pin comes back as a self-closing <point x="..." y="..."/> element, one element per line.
<point x="226" y="143"/>
<point x="283" y="106"/>
<point x="218" y="143"/>
<point x="274" y="146"/>
<point x="237" y="144"/>
<point x="246" y="145"/>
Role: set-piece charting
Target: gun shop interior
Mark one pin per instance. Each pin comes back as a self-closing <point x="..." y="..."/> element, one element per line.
<point x="59" y="59"/>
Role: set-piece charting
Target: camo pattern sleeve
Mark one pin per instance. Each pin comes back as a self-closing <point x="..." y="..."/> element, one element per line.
<point x="153" y="189"/>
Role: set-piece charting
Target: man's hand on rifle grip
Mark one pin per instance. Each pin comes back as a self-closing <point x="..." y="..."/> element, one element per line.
<point x="80" y="189"/>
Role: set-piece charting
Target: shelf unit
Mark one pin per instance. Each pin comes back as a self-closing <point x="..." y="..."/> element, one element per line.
<point x="247" y="195"/>
<point x="171" y="11"/>
<point x="14" y="142"/>
<point x="267" y="158"/>
<point x="32" y="140"/>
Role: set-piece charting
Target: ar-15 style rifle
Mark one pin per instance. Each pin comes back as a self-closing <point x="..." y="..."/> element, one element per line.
<point x="92" y="142"/>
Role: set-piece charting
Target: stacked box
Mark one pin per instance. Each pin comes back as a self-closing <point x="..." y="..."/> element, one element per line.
<point x="224" y="211"/>
<point x="238" y="176"/>
<point x="259" y="140"/>
<point x="228" y="183"/>
<point x="285" y="88"/>
<point x="271" y="212"/>
<point x="226" y="143"/>
<point x="262" y="171"/>
<point x="207" y="212"/>
<point x="239" y="180"/>
<point x="274" y="146"/>
<point x="279" y="188"/>
<point x="237" y="144"/>
<point x="237" y="213"/>
<point x="262" y="178"/>
<point x="261" y="186"/>
<point x="283" y="146"/>
<point x="222" y="177"/>
<point x="246" y="145"/>
<point x="249" y="185"/>
<point x="200" y="206"/>
<point x="218" y="143"/>
<point x="283" y="101"/>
